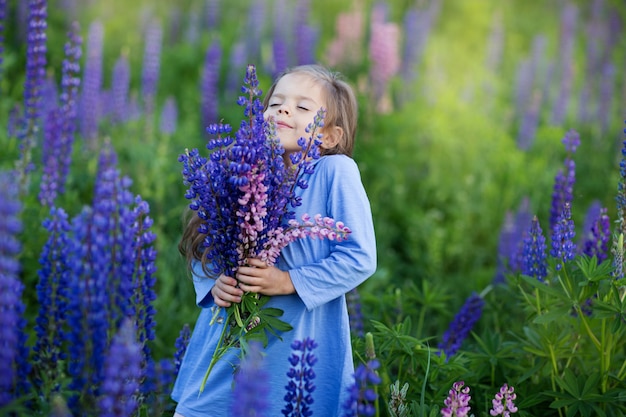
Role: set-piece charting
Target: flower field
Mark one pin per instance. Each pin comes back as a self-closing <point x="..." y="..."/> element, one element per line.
<point x="491" y="144"/>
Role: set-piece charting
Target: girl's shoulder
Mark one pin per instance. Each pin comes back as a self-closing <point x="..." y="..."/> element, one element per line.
<point x="333" y="163"/>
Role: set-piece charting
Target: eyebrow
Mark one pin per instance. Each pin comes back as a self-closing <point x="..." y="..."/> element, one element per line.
<point x="298" y="98"/>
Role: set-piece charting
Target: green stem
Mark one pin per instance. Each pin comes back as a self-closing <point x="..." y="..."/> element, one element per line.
<point x="220" y="350"/>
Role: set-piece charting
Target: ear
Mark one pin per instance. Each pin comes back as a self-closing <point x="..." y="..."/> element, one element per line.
<point x="332" y="137"/>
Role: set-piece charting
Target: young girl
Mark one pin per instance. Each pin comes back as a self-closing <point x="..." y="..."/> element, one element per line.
<point x="312" y="276"/>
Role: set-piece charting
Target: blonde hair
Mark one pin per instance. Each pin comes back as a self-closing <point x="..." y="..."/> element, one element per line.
<point x="340" y="99"/>
<point x="342" y="111"/>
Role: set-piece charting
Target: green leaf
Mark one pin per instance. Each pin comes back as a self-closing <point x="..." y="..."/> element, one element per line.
<point x="553" y="315"/>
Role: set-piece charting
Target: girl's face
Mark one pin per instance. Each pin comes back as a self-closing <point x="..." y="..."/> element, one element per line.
<point x="293" y="105"/>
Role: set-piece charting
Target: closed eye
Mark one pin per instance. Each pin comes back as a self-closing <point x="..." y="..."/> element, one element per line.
<point x="303" y="108"/>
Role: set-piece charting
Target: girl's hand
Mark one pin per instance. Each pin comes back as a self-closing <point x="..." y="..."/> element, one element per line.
<point x="225" y="291"/>
<point x="260" y="278"/>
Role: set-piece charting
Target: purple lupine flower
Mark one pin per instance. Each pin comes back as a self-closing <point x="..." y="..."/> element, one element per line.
<point x="13" y="353"/>
<point x="151" y="66"/>
<point x="52" y="295"/>
<point x="565" y="179"/>
<point x="364" y="391"/>
<point x="91" y="110"/>
<point x="255" y="30"/>
<point x="68" y="106"/>
<point x="281" y="48"/>
<point x="51" y="151"/>
<point x="33" y="85"/>
<point x="250" y="394"/>
<point x="597" y="235"/>
<point x="503" y="404"/>
<point x="301" y="375"/>
<point x="3" y="16"/>
<point x="457" y="402"/>
<point x="169" y="116"/>
<point x="462" y="324"/>
<point x="122" y="374"/>
<point x="304" y="34"/>
<point x="563" y="247"/>
<point x="529" y="122"/>
<point x="569" y="17"/>
<point x="605" y="101"/>
<point x="181" y="346"/>
<point x="417" y="27"/>
<point x="511" y="241"/>
<point x="534" y="254"/>
<point x="120" y="85"/>
<point x="238" y="59"/>
<point x="495" y="44"/>
<point x="620" y="198"/>
<point x="209" y="83"/>
<point x="354" y="312"/>
<point x="211" y="13"/>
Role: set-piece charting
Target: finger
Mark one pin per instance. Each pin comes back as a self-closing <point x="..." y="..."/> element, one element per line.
<point x="256" y="263"/>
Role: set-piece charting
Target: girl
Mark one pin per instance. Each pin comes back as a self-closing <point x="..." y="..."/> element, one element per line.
<point x="311" y="278"/>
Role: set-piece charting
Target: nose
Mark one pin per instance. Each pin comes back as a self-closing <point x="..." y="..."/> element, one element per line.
<point x="283" y="109"/>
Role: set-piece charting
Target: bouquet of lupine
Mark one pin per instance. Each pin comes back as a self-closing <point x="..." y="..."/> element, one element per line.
<point x="244" y="192"/>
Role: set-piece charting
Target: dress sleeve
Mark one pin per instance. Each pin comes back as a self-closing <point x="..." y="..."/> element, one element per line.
<point x="202" y="284"/>
<point x="348" y="263"/>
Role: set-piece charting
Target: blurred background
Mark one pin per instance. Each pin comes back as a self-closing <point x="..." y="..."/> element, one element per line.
<point x="463" y="108"/>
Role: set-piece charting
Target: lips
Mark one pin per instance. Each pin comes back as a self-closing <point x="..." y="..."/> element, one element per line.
<point x="280" y="124"/>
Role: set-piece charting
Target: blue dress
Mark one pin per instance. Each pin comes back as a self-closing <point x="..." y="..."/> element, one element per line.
<point x="322" y="272"/>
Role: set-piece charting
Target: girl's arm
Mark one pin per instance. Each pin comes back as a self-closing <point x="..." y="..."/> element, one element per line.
<point x="324" y="270"/>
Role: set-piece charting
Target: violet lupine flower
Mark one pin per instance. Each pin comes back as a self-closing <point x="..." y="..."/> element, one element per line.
<point x="33" y="85"/>
<point x="169" y="116"/>
<point x="68" y="106"/>
<point x="565" y="179"/>
<point x="503" y="404"/>
<point x="281" y="51"/>
<point x="120" y="85"/>
<point x="534" y="253"/>
<point x="301" y="375"/>
<point x="363" y="392"/>
<point x="209" y="83"/>
<point x="304" y="34"/>
<point x="569" y="17"/>
<point x="457" y="402"/>
<point x="211" y="13"/>
<point x="563" y="247"/>
<point x="417" y="27"/>
<point x="250" y="392"/>
<point x="3" y="16"/>
<point x="620" y="198"/>
<point x="51" y="151"/>
<point x="52" y="295"/>
<point x="597" y="237"/>
<point x="151" y="66"/>
<point x="122" y="374"/>
<point x="354" y="312"/>
<point x="91" y="110"/>
<point x="255" y="30"/>
<point x="462" y="324"/>
<point x="605" y="100"/>
<point x="13" y="351"/>
<point x="181" y="346"/>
